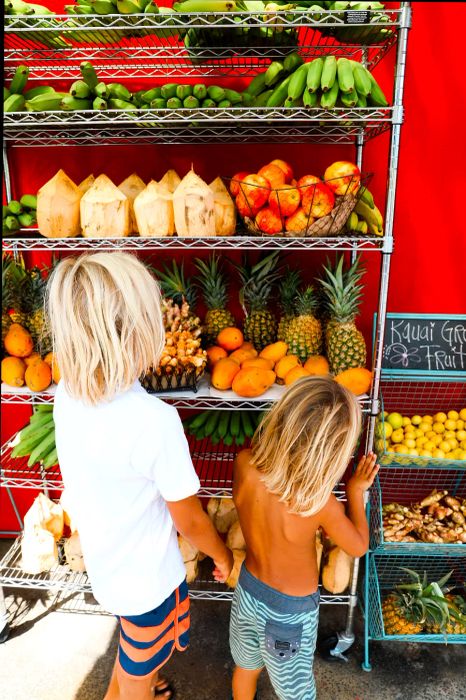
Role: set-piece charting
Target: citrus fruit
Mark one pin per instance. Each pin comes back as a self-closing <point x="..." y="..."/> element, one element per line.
<point x="463" y="444"/>
<point x="453" y="415"/>
<point x="421" y="441"/>
<point x="438" y="454"/>
<point x="461" y="435"/>
<point x="449" y="434"/>
<point x="418" y="433"/>
<point x="430" y="434"/>
<point x="450" y="424"/>
<point x="395" y="420"/>
<point x="401" y="449"/>
<point x="445" y="446"/>
<point x="415" y="420"/>
<point x="425" y="453"/>
<point x="463" y="414"/>
<point x="424" y="426"/>
<point x="437" y="439"/>
<point x="427" y="419"/>
<point x="440" y="417"/>
<point x="453" y="443"/>
<point x="406" y="421"/>
<point x="413" y="453"/>
<point x="397" y="436"/>
<point x="429" y="445"/>
<point x="387" y="430"/>
<point x="462" y="455"/>
<point x="439" y="427"/>
<point x="410" y="444"/>
<point x="460" y="424"/>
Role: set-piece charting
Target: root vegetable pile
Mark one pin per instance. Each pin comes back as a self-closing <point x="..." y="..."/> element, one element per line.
<point x="437" y="519"/>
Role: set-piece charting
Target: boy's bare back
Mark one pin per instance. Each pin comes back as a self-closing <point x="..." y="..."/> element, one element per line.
<point x="280" y="545"/>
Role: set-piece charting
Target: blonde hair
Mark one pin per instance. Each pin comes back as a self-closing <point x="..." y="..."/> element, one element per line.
<point x="105" y="317"/>
<point x="304" y="444"/>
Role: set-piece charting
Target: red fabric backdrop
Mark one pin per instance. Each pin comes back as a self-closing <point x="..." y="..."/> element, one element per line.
<point x="430" y="242"/>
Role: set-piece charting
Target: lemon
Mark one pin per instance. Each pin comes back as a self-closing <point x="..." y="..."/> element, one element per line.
<point x="390" y="452"/>
<point x="461" y="435"/>
<point x="449" y="434"/>
<point x="421" y="441"/>
<point x="397" y="436"/>
<point x="413" y="453"/>
<point x="429" y="445"/>
<point x="445" y="446"/>
<point x="406" y="421"/>
<point x="453" y="415"/>
<point x="438" y="454"/>
<point x="410" y="443"/>
<point x="453" y="443"/>
<point x="379" y="445"/>
<point x="439" y="427"/>
<point x="440" y="417"/>
<point x="395" y="420"/>
<point x="401" y="449"/>
<point x="419" y="434"/>
<point x="463" y="414"/>
<point x="384" y="414"/>
<point x="424" y="426"/>
<point x="430" y="434"/>
<point x="427" y="419"/>
<point x="460" y="424"/>
<point x="410" y="432"/>
<point x="450" y="424"/>
<point x="425" y="453"/>
<point x="463" y="444"/>
<point x="387" y="430"/>
<point x="437" y="440"/>
<point x="415" y="420"/>
<point x="462" y="455"/>
<point x="455" y="453"/>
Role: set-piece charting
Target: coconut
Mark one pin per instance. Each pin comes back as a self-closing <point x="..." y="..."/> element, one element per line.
<point x="73" y="553"/>
<point x="58" y="207"/>
<point x="225" y="210"/>
<point x="38" y="551"/>
<point x="85" y="184"/>
<point x="191" y="570"/>
<point x="105" y="211"/>
<point x="235" y="537"/>
<point x="336" y="573"/>
<point x="238" y="557"/>
<point x="193" y="203"/>
<point x="131" y="187"/>
<point x="188" y="551"/>
<point x="153" y="209"/>
<point x="171" y="179"/>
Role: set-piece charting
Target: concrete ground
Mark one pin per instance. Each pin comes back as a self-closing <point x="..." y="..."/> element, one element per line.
<point x="53" y="654"/>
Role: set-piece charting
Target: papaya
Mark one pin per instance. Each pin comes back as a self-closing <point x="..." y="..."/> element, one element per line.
<point x="357" y="379"/>
<point x="223" y="373"/>
<point x="253" y="381"/>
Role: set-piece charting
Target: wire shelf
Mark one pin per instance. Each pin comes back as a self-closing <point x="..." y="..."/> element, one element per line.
<point x="423" y="395"/>
<point x="208" y="125"/>
<point x="239" y="242"/>
<point x="385" y="573"/>
<point x="128" y="45"/>
<point x="407" y="487"/>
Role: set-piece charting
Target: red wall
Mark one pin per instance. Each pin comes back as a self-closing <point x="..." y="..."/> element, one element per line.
<point x="430" y="240"/>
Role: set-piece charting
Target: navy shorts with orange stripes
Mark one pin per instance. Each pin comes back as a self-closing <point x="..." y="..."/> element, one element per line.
<point x="147" y="641"/>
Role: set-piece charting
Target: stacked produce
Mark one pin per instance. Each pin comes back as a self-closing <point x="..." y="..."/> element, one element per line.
<point x="230" y="427"/>
<point x="323" y="82"/>
<point x="273" y="202"/>
<point x="37" y="439"/>
<point x="441" y="436"/>
<point x="437" y="519"/>
<point x="373" y="32"/>
<point x="19" y="214"/>
<point x="420" y="606"/>
<point x="18" y="8"/>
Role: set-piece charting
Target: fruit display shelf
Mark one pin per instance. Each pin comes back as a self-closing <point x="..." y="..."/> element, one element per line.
<point x="205" y="397"/>
<point x="133" y="46"/>
<point x="341" y="125"/>
<point x="31" y="240"/>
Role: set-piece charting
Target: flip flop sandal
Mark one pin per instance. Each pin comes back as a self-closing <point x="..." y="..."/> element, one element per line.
<point x="164" y="687"/>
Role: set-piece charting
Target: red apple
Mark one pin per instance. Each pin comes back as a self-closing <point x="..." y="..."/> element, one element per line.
<point x="244" y="207"/>
<point x="235" y="180"/>
<point x="343" y="177"/>
<point x="269" y="222"/>
<point x="286" y="167"/>
<point x="306" y="181"/>
<point x="299" y="221"/>
<point x="273" y="174"/>
<point x="285" y="200"/>
<point x="318" y="200"/>
<point x="255" y="189"/>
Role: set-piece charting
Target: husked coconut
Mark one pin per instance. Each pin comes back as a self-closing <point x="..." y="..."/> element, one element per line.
<point x="188" y="551"/>
<point x="45" y="514"/>
<point x="58" y="207"/>
<point x="171" y="179"/>
<point x="73" y="553"/>
<point x="193" y="203"/>
<point x="336" y="573"/>
<point x="212" y="507"/>
<point x="225" y="210"/>
<point x="226" y="515"/>
<point x="85" y="184"/>
<point x="191" y="570"/>
<point x="38" y="551"/>
<point x="105" y="211"/>
<point x="153" y="209"/>
<point x="131" y="187"/>
<point x="235" y="537"/>
<point x="67" y="513"/>
<point x="239" y="556"/>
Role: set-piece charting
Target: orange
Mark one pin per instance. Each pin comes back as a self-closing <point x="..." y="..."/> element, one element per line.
<point x="214" y="353"/>
<point x="38" y="376"/>
<point x="230" y="338"/>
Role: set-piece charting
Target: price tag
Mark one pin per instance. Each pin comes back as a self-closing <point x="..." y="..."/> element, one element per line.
<point x="357" y="16"/>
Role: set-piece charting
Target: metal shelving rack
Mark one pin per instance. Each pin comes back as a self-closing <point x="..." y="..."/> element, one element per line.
<point x="140" y="46"/>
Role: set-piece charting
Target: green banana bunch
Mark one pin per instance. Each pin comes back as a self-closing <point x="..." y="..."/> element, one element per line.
<point x="15" y="8"/>
<point x="37" y="439"/>
<point x="19" y="214"/>
<point x="230" y="426"/>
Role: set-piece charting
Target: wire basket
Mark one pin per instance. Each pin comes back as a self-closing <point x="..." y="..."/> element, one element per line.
<point x="312" y="210"/>
<point x="385" y="572"/>
<point x="406" y="487"/>
<point x="156" y="383"/>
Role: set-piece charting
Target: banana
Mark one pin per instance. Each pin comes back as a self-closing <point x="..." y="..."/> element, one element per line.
<point x="372" y="216"/>
<point x="262" y="99"/>
<point x="224" y="104"/>
<point x="80" y="89"/>
<point x="37" y="418"/>
<point x="298" y="82"/>
<point x="183" y="91"/>
<point x="42" y="407"/>
<point x="205" y="6"/>
<point x="51" y="459"/>
<point x="228" y="440"/>
<point x="46" y="103"/>
<point x="174" y="103"/>
<point x="19" y="81"/>
<point x="26" y="219"/>
<point x="14" y="103"/>
<point x="128" y="7"/>
<point x="279" y="95"/>
<point x="102" y="7"/>
<point x="208" y="103"/>
<point x="257" y="85"/>
<point x="366" y="196"/>
<point x="74" y="104"/>
<point x="169" y="90"/>
<point x="328" y="99"/>
<point x="274" y="73"/>
<point x="246" y="424"/>
<point x="212" y="422"/>
<point x="224" y="423"/>
<point x="88" y="73"/>
<point x="345" y="76"/>
<point x="15" y="207"/>
<point x="152" y="94"/>
<point x="376" y="96"/>
<point x="200" y="91"/>
<point x="235" y="423"/>
<point x="314" y="74"/>
<point x="362" y="227"/>
<point x="233" y="96"/>
<point x="11" y="223"/>
<point x="292" y="62"/>
<point x="118" y="92"/>
<point x="352" y="222"/>
<point x="362" y="101"/>
<point x="6" y="93"/>
<point x="42" y="449"/>
<point x="293" y="103"/>
<point x="309" y="98"/>
<point x="247" y="99"/>
<point x="329" y="72"/>
<point x="240" y="438"/>
<point x="98" y="104"/>
<point x="191" y="102"/>
<point x="362" y="81"/>
<point x="115" y="103"/>
<point x="158" y="103"/>
<point x="29" y="441"/>
<point x="199" y="420"/>
<point x="5" y="211"/>
<point x="100" y="90"/>
<point x="40" y="90"/>
<point x="349" y="99"/>
<point x="217" y="94"/>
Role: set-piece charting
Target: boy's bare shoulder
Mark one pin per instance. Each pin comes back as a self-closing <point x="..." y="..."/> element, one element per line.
<point x="242" y="464"/>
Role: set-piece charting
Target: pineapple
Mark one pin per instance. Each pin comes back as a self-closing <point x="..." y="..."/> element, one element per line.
<point x="401" y="615"/>
<point x="29" y="306"/>
<point x="457" y="614"/>
<point x="214" y="287"/>
<point x="175" y="286"/>
<point x="7" y="292"/>
<point x="304" y="332"/>
<point x="345" y="344"/>
<point x="260" y="325"/>
<point x="287" y="290"/>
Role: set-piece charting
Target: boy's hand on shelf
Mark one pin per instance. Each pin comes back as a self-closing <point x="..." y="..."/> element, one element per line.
<point x="365" y="473"/>
<point x="223" y="567"/>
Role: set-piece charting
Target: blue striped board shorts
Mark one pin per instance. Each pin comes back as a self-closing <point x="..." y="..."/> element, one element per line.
<point x="147" y="641"/>
<point x="278" y="631"/>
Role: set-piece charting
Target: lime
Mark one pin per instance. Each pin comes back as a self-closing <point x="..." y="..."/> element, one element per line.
<point x="395" y="420"/>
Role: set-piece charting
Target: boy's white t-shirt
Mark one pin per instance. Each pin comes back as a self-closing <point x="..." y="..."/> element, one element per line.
<point x="120" y="462"/>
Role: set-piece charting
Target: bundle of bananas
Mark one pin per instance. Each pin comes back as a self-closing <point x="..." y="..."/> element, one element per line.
<point x="18" y="8"/>
<point x="229" y="426"/>
<point x="203" y="44"/>
<point x="37" y="439"/>
<point x="20" y="214"/>
<point x="366" y="218"/>
<point x="326" y="82"/>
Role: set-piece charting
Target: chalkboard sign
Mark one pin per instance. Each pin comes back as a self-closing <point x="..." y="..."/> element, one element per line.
<point x="420" y="343"/>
